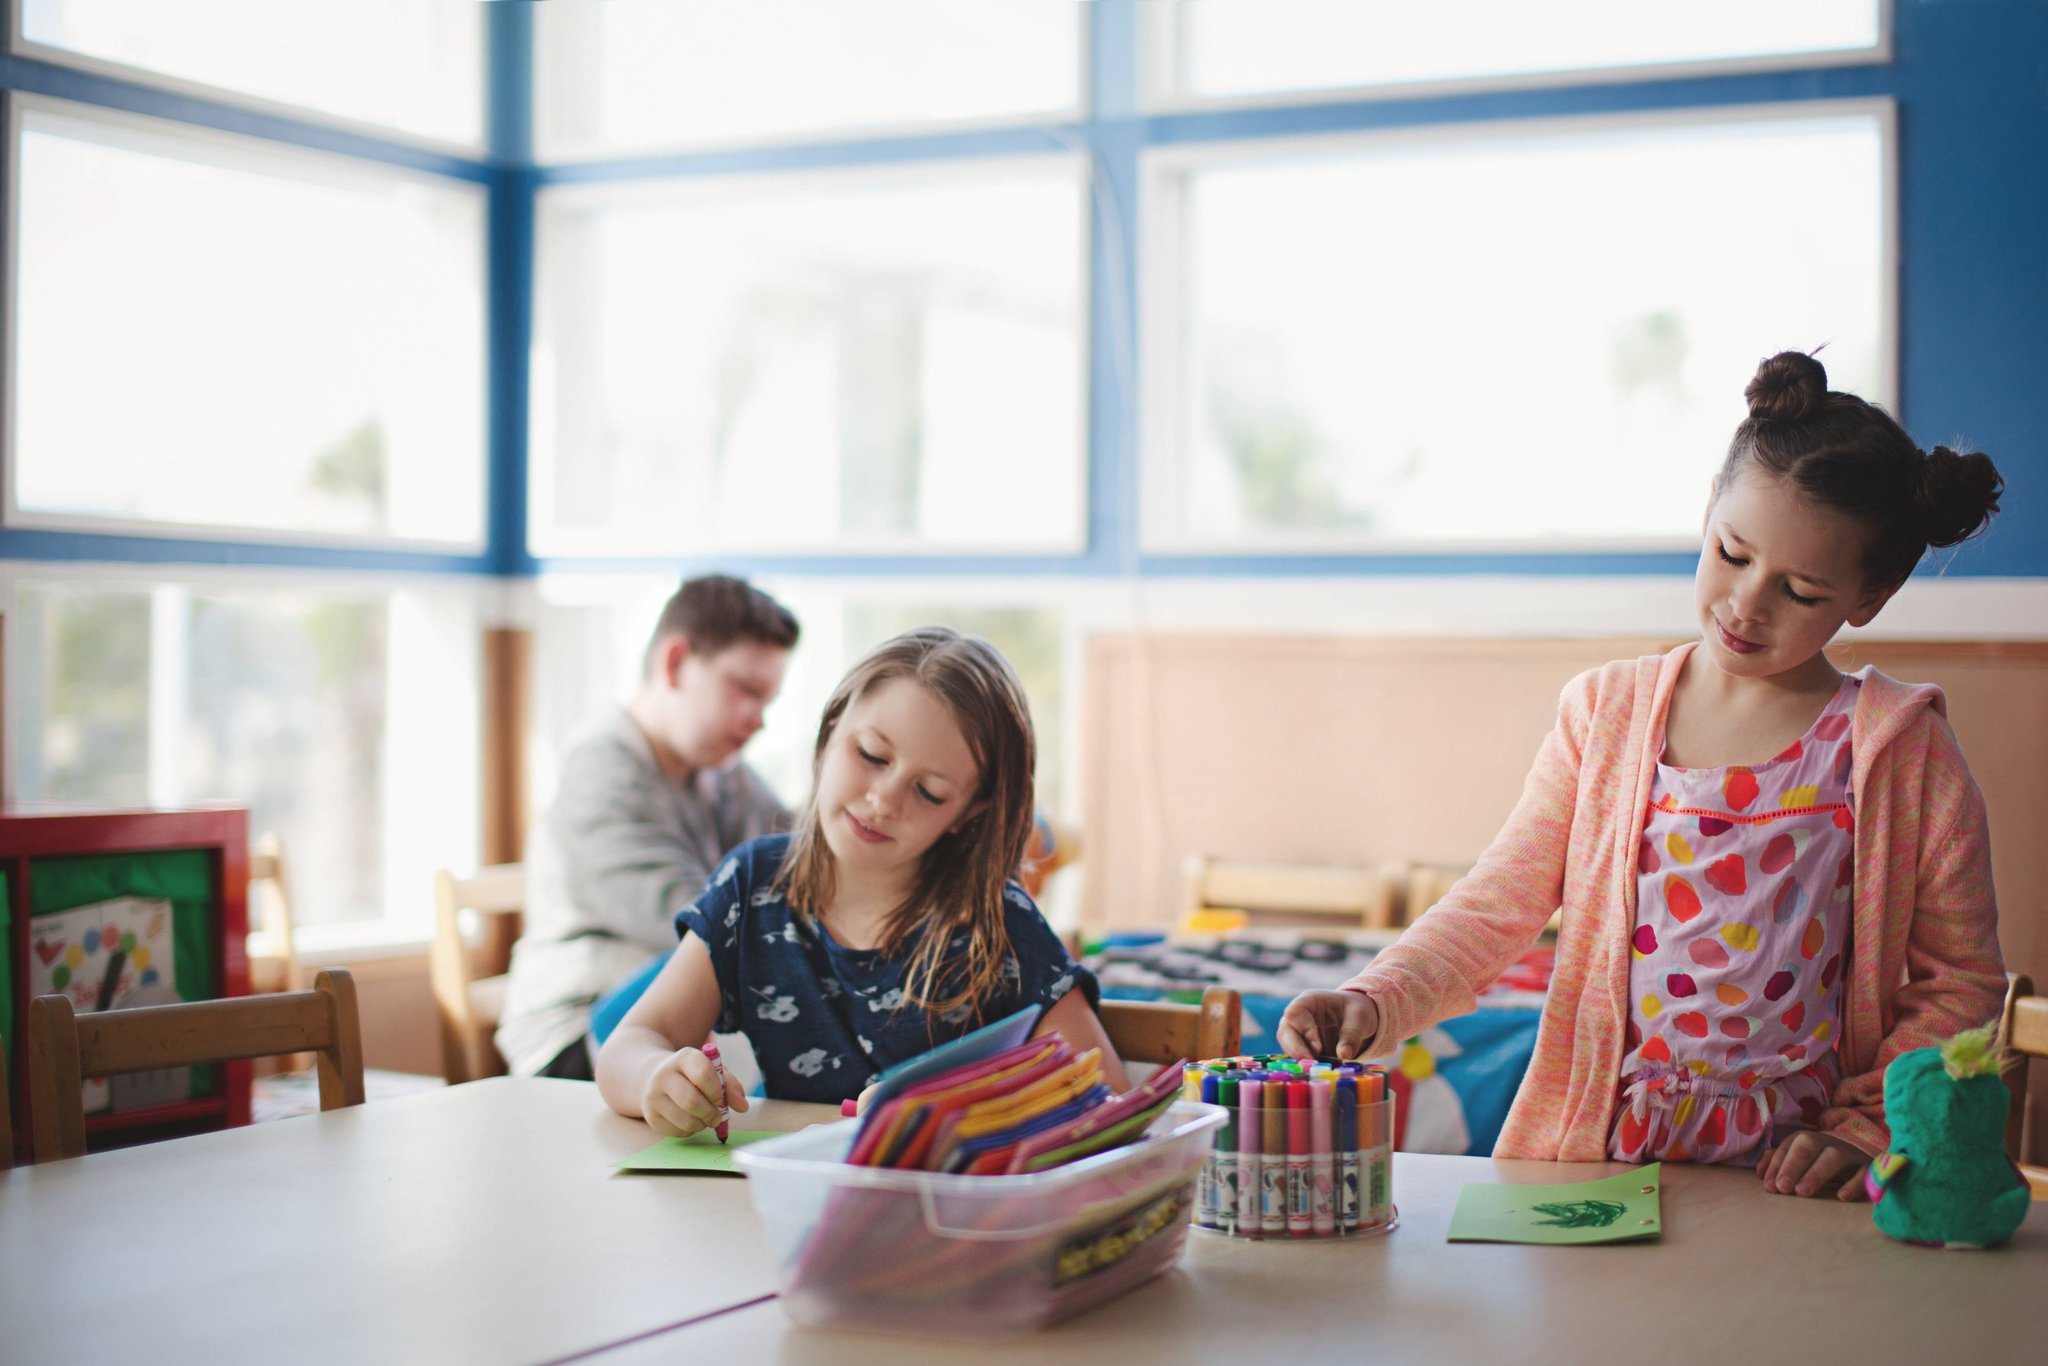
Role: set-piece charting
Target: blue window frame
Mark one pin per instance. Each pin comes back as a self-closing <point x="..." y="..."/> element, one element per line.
<point x="1957" y="76"/>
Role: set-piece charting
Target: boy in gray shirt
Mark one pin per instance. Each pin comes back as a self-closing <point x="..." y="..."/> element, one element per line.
<point x="650" y="798"/>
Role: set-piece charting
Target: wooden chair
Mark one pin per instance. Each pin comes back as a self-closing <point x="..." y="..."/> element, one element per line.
<point x="2025" y="1027"/>
<point x="1289" y="894"/>
<point x="469" y="981"/>
<point x="1052" y="847"/>
<point x="1166" y="1031"/>
<point x="64" y="1049"/>
<point x="1425" y="884"/>
<point x="273" y="959"/>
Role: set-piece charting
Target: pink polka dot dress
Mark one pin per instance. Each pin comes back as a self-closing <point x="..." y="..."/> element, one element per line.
<point x="1735" y="984"/>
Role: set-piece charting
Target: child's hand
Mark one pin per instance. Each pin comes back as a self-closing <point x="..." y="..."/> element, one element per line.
<point x="1329" y="1024"/>
<point x="681" y="1095"/>
<point x="1812" y="1163"/>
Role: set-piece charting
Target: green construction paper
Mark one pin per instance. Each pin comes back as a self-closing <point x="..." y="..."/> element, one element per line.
<point x="700" y="1153"/>
<point x="1583" y="1212"/>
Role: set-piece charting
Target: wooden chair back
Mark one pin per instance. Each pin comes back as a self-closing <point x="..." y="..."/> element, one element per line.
<point x="469" y="979"/>
<point x="273" y="957"/>
<point x="2025" y="1027"/>
<point x="1290" y="894"/>
<point x="1052" y="847"/>
<point x="6" y="1113"/>
<point x="65" y="1049"/>
<point x="1166" y="1031"/>
<point x="1425" y="884"/>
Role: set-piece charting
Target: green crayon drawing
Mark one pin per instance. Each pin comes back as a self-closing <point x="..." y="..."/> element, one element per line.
<point x="1582" y="1213"/>
<point x="1613" y="1209"/>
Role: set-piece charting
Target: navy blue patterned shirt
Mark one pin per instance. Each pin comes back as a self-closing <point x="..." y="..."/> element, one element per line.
<point x="824" y="1019"/>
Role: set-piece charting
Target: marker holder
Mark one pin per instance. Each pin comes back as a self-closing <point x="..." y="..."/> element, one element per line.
<point x="1329" y="1175"/>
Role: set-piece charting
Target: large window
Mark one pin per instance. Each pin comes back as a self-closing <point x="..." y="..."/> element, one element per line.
<point x="210" y="331"/>
<point x="1030" y="316"/>
<point x="1501" y="335"/>
<point x="344" y="718"/>
<point x="635" y="74"/>
<point x="837" y="363"/>
<point x="1206" y="51"/>
<point x="591" y="631"/>
<point x="415" y="66"/>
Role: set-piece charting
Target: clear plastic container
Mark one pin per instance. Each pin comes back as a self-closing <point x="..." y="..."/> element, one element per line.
<point x="971" y="1256"/>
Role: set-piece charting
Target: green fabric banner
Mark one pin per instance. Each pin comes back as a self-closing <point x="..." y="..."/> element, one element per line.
<point x="10" y="1028"/>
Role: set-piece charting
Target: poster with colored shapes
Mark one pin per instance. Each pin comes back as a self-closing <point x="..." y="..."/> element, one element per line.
<point x="1614" y="1209"/>
<point x="99" y="955"/>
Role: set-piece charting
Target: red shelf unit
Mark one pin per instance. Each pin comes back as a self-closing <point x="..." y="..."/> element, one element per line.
<point x="222" y="835"/>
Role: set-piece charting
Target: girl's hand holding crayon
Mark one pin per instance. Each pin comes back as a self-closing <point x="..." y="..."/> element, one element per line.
<point x="683" y="1094"/>
<point x="1329" y="1024"/>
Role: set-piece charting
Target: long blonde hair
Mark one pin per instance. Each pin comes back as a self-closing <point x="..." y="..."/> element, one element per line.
<point x="960" y="881"/>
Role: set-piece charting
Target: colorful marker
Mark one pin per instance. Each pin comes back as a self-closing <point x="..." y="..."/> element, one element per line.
<point x="711" y="1052"/>
<point x="1299" y="1220"/>
<point x="1377" y="1140"/>
<point x="1250" y="1129"/>
<point x="1205" y="1176"/>
<point x="1383" y="1174"/>
<point x="1273" y="1162"/>
<point x="1347" y="1144"/>
<point x="1225" y="1149"/>
<point x="1322" y="1189"/>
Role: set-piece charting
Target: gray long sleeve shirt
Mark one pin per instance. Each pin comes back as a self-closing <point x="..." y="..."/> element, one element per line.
<point x="622" y="848"/>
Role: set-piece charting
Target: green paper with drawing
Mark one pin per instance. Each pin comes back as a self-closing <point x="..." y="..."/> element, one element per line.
<point x="1614" y="1209"/>
<point x="700" y="1152"/>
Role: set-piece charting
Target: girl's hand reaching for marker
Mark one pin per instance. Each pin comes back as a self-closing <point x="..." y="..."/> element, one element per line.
<point x="1811" y="1163"/>
<point x="681" y="1095"/>
<point x="1329" y="1024"/>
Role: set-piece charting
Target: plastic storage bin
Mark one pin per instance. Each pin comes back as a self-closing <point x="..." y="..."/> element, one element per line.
<point x="971" y="1256"/>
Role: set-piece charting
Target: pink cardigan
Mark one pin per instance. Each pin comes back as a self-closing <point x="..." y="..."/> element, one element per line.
<point x="1924" y="959"/>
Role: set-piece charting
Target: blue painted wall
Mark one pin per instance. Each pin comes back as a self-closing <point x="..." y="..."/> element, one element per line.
<point x="1970" y="79"/>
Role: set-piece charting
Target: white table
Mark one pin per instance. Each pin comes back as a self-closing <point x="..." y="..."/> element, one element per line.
<point x="484" y="1223"/>
<point x="477" y="1223"/>
<point x="1738" y="1276"/>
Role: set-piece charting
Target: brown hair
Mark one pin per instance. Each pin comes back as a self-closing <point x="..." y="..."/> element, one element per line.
<point x="1853" y="457"/>
<point x="960" y="883"/>
<point x="718" y="610"/>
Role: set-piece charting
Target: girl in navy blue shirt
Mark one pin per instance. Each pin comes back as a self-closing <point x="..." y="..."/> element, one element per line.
<point x="885" y="923"/>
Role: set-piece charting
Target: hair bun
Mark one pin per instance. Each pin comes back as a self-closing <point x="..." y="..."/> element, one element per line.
<point x="1958" y="494"/>
<point x="1787" y="387"/>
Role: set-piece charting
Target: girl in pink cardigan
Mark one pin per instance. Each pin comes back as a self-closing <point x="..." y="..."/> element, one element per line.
<point x="1775" y="878"/>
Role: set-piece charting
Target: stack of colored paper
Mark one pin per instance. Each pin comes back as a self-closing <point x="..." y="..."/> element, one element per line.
<point x="1021" y="1108"/>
